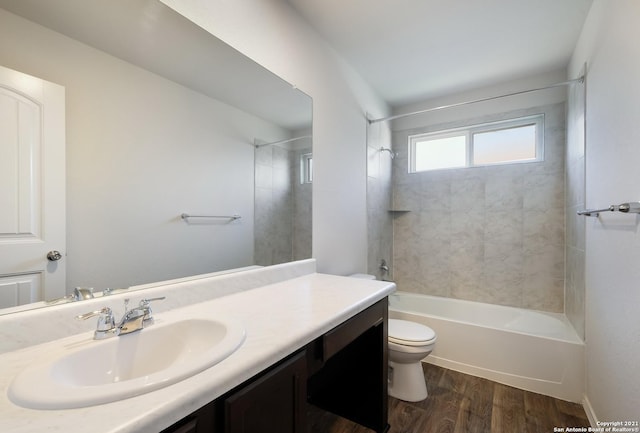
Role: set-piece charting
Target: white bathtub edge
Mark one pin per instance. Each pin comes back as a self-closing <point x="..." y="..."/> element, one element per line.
<point x="506" y="357"/>
<point x="553" y="389"/>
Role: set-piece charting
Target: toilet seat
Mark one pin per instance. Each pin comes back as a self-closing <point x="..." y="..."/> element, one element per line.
<point x="406" y="333"/>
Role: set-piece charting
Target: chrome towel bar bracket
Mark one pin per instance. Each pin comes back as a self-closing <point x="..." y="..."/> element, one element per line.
<point x="631" y="207"/>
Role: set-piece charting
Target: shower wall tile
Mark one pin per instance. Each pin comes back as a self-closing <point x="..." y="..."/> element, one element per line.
<point x="574" y="295"/>
<point x="543" y="227"/>
<point x="282" y="213"/>
<point x="263" y="176"/>
<point x="575" y="290"/>
<point x="575" y="182"/>
<point x="554" y="151"/>
<point x="408" y="197"/>
<point x="468" y="190"/>
<point x="543" y="293"/>
<point x="434" y="228"/>
<point x="504" y="227"/>
<point x="502" y="288"/>
<point x="504" y="192"/>
<point x="281" y="179"/>
<point x="379" y="203"/>
<point x="490" y="234"/>
<point x="435" y="196"/>
<point x="466" y="283"/>
<point x="281" y="158"/>
<point x="575" y="227"/>
<point x="263" y="156"/>
<point x="302" y="208"/>
<point x="546" y="259"/>
<point x="543" y="192"/>
<point x="466" y="267"/>
<point x="468" y="226"/>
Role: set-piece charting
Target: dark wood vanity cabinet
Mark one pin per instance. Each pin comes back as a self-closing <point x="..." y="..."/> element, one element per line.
<point x="344" y="372"/>
<point x="201" y="421"/>
<point x="352" y="379"/>
<point x="276" y="402"/>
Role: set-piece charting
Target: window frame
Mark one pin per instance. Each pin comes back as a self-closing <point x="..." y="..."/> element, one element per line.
<point x="306" y="168"/>
<point x="469" y="131"/>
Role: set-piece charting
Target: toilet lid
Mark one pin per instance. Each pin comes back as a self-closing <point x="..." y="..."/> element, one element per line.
<point x="410" y="333"/>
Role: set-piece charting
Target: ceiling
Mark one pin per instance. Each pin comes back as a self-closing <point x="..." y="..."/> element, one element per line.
<point x="413" y="50"/>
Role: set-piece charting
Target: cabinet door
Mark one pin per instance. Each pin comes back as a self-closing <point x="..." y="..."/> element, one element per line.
<point x="274" y="403"/>
<point x="201" y="421"/>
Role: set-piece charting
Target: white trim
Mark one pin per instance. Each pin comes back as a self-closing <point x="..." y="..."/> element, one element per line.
<point x="588" y="409"/>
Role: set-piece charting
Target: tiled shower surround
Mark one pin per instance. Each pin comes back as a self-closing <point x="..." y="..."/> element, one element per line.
<point x="282" y="220"/>
<point x="491" y="234"/>
<point x="379" y="219"/>
<point x="574" y="296"/>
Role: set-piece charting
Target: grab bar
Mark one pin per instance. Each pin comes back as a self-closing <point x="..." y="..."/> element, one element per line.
<point x="185" y="216"/>
<point x="631" y="207"/>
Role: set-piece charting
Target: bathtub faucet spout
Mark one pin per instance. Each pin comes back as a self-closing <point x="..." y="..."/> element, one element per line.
<point x="383" y="266"/>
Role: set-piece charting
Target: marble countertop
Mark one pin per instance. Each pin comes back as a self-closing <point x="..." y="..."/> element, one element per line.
<point x="279" y="319"/>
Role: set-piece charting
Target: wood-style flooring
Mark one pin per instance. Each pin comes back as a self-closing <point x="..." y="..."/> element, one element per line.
<point x="460" y="403"/>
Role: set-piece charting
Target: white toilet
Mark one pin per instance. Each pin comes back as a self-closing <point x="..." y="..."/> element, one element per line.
<point x="409" y="343"/>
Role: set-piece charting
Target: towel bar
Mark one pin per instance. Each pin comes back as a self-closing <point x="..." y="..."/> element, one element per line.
<point x="185" y="216"/>
<point x="631" y="207"/>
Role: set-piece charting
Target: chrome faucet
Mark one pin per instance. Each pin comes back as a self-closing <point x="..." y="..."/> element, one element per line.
<point x="383" y="266"/>
<point x="79" y="294"/>
<point x="132" y="320"/>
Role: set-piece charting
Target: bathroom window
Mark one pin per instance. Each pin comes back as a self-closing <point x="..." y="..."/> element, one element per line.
<point x="306" y="168"/>
<point x="505" y="142"/>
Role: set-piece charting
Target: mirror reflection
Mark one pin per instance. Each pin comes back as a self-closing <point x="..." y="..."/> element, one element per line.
<point x="283" y="200"/>
<point x="162" y="119"/>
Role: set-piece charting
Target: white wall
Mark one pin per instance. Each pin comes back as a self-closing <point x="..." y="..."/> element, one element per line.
<point x="273" y="34"/>
<point x="501" y="105"/>
<point x="140" y="151"/>
<point x="609" y="46"/>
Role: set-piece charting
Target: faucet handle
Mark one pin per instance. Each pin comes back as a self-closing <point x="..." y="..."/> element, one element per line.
<point x="145" y="306"/>
<point x="104" y="310"/>
<point x="147" y="301"/>
<point x="106" y="321"/>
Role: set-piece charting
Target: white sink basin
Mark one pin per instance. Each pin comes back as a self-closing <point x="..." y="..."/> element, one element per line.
<point x="98" y="372"/>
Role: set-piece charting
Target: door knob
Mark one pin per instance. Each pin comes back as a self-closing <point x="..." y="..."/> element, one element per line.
<point x="54" y="255"/>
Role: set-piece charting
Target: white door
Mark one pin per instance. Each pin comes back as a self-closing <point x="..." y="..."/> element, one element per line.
<point x="32" y="189"/>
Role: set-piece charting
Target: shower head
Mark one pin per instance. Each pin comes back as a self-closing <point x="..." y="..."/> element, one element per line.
<point x="391" y="152"/>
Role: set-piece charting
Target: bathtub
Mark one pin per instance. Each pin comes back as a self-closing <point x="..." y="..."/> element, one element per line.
<point x="531" y="350"/>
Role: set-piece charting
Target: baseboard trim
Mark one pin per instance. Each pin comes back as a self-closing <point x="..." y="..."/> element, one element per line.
<point x="588" y="409"/>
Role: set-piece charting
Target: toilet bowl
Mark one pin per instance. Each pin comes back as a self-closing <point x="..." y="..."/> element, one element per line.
<point x="409" y="344"/>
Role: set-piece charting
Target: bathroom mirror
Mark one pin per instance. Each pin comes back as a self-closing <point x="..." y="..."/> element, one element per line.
<point x="162" y="119"/>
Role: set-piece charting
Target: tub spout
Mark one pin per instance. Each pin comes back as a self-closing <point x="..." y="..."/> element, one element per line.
<point x="383" y="266"/>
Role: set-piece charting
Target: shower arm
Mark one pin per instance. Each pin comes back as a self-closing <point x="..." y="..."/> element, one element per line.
<point x="391" y="152"/>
